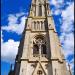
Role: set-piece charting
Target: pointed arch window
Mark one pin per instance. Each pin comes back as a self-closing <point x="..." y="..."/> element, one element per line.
<point x="35" y="48"/>
<point x="43" y="49"/>
<point x="39" y="46"/>
<point x="40" y="10"/>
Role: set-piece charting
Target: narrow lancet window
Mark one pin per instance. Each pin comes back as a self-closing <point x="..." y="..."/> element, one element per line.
<point x="43" y="49"/>
<point x="40" y="10"/>
<point x="35" y="49"/>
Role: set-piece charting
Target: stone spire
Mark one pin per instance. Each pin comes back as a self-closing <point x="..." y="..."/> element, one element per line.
<point x="40" y="51"/>
<point x="39" y="8"/>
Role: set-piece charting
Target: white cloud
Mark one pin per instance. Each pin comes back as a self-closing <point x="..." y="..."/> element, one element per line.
<point x="13" y="25"/>
<point x="56" y="2"/>
<point x="9" y="50"/>
<point x="70" y="65"/>
<point x="67" y="28"/>
<point x="53" y="2"/>
<point x="12" y="19"/>
<point x="56" y="11"/>
<point x="1" y="36"/>
<point x="21" y="13"/>
<point x="68" y="18"/>
<point x="67" y="35"/>
<point x="58" y="6"/>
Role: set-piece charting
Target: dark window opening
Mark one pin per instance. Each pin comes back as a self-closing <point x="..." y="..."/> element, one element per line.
<point x="40" y="10"/>
<point x="34" y="1"/>
<point x="39" y="46"/>
<point x="43" y="49"/>
<point x="35" y="49"/>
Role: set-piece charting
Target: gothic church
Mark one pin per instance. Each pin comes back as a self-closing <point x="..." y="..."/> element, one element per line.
<point x="40" y="52"/>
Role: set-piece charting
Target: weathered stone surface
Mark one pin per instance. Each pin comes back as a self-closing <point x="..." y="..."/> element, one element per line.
<point x="40" y="25"/>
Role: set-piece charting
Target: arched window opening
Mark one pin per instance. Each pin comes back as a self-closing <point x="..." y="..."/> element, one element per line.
<point x="40" y="10"/>
<point x="39" y="46"/>
<point x="35" y="49"/>
<point x="38" y="22"/>
<point x="43" y="49"/>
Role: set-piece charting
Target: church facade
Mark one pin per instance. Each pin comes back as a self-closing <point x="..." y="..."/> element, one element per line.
<point x="40" y="51"/>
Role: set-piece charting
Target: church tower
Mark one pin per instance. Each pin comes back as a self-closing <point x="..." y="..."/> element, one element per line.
<point x="40" y="50"/>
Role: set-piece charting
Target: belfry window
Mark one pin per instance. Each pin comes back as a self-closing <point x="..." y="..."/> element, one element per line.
<point x="39" y="45"/>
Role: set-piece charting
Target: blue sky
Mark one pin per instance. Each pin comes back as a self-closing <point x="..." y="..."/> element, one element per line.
<point x="13" y="15"/>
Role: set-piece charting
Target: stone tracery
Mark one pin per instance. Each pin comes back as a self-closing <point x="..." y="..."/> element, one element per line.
<point x="39" y="45"/>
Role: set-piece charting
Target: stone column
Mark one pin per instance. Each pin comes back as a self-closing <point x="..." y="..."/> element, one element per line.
<point x="40" y="26"/>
